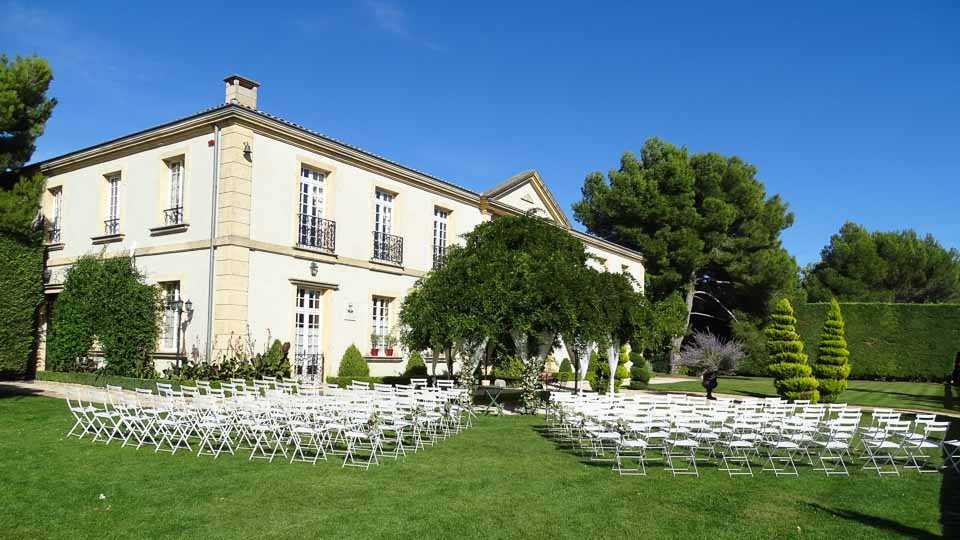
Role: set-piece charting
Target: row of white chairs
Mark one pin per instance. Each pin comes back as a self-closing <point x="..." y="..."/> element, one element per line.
<point x="299" y="423"/>
<point x="683" y="431"/>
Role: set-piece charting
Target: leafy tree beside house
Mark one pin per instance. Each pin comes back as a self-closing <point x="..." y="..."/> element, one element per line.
<point x="24" y="111"/>
<point x="833" y="358"/>
<point x="793" y="378"/>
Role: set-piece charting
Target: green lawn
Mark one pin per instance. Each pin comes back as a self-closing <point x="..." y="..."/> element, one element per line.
<point x="904" y="395"/>
<point x="501" y="479"/>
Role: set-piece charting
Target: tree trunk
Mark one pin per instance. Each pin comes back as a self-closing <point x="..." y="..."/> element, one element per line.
<point x="450" y="362"/>
<point x="433" y="362"/>
<point x="677" y="341"/>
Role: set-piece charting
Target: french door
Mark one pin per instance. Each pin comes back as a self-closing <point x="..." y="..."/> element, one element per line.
<point x="307" y="321"/>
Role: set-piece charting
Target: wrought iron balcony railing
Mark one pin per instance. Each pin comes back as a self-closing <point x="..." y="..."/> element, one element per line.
<point x="317" y="233"/>
<point x="111" y="226"/>
<point x="173" y="216"/>
<point x="387" y="248"/>
<point x="308" y="366"/>
<point x="53" y="235"/>
<point x="439" y="255"/>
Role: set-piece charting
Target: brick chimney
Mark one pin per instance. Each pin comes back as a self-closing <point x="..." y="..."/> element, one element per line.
<point x="241" y="90"/>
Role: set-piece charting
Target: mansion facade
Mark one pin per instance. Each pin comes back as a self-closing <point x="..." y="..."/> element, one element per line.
<point x="257" y="229"/>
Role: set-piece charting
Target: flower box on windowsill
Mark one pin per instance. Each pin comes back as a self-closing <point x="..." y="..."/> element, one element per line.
<point x="169" y="229"/>
<point x="107" y="238"/>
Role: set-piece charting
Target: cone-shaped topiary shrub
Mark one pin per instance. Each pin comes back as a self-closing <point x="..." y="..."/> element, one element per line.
<point x="353" y="364"/>
<point x="415" y="366"/>
<point x="788" y="364"/>
<point x="833" y="358"/>
<point x="566" y="371"/>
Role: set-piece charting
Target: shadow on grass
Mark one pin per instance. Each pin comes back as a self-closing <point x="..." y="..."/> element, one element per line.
<point x="932" y="400"/>
<point x="12" y="390"/>
<point x="881" y="523"/>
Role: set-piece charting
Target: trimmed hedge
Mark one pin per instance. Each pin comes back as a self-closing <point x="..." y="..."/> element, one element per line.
<point x="910" y="342"/>
<point x="21" y="280"/>
<point x="101" y="380"/>
<point x="344" y="382"/>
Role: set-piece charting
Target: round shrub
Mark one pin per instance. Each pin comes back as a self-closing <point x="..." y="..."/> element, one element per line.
<point x="566" y="371"/>
<point x="415" y="366"/>
<point x="353" y="364"/>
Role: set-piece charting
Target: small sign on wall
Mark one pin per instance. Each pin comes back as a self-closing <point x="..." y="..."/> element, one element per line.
<point x="350" y="312"/>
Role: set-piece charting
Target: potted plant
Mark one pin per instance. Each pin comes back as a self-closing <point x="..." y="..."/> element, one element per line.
<point x="374" y="344"/>
<point x="388" y="342"/>
<point x="711" y="356"/>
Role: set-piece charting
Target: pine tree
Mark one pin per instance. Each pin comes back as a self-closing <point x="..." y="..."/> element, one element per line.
<point x="833" y="358"/>
<point x="788" y="364"/>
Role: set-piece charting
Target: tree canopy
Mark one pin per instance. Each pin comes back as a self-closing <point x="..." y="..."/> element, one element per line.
<point x="704" y="224"/>
<point x="895" y="266"/>
<point x="24" y="111"/>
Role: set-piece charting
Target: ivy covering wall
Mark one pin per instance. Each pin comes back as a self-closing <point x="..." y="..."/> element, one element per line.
<point x="890" y="341"/>
<point x="21" y="280"/>
<point x="105" y="302"/>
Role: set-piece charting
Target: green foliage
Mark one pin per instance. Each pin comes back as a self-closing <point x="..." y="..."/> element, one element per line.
<point x="565" y="373"/>
<point x="415" y="366"/>
<point x="640" y="372"/>
<point x="100" y="379"/>
<point x="754" y="344"/>
<point x="896" y="266"/>
<point x="353" y="364"/>
<point x="24" y="110"/>
<point x="275" y="362"/>
<point x="21" y="274"/>
<point x="598" y="372"/>
<point x="511" y="369"/>
<point x="788" y="364"/>
<point x="833" y="358"/>
<point x="912" y="342"/>
<point x="702" y="219"/>
<point x="105" y="300"/>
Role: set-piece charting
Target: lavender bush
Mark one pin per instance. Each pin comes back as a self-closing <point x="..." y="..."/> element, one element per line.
<point x="707" y="352"/>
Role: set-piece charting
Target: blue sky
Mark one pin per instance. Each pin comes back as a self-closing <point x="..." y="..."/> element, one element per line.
<point x="851" y="111"/>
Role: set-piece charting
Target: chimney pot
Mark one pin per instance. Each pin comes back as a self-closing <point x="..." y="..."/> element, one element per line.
<point x="241" y="90"/>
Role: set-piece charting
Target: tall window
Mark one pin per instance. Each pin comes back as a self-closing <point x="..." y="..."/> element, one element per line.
<point x="307" y="323"/>
<point x="57" y="195"/>
<point x="383" y="213"/>
<point x="171" y="317"/>
<point x="439" y="235"/>
<point x="381" y="320"/>
<point x="314" y="230"/>
<point x="112" y="223"/>
<point x="386" y="247"/>
<point x="174" y="212"/>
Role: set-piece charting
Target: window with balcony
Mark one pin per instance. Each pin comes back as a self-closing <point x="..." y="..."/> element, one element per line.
<point x="386" y="246"/>
<point x="173" y="215"/>
<point x="314" y="232"/>
<point x="111" y="225"/>
<point x="439" y="235"/>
